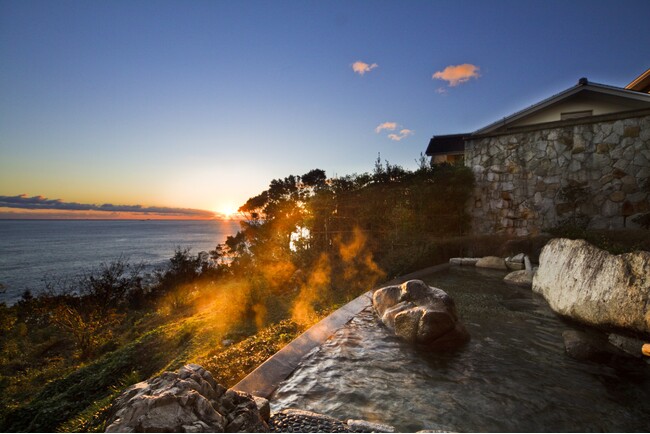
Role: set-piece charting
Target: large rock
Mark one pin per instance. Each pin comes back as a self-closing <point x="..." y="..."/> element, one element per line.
<point x="515" y="262"/>
<point x="187" y="401"/>
<point x="587" y="346"/>
<point x="520" y="278"/>
<point x="592" y="286"/>
<point x="493" y="262"/>
<point x="420" y="314"/>
<point x="628" y="345"/>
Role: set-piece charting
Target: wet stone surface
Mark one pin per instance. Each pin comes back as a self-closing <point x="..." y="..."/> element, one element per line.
<point x="513" y="376"/>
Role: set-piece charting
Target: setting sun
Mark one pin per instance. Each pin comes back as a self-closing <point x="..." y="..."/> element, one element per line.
<point x="228" y="211"/>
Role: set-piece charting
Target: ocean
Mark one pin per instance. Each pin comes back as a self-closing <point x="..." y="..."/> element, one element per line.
<point x="34" y="250"/>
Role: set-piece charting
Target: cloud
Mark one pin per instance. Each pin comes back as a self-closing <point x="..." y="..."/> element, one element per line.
<point x="22" y="201"/>
<point x="391" y="126"/>
<point x="457" y="74"/>
<point x="362" y="67"/>
<point x="403" y="133"/>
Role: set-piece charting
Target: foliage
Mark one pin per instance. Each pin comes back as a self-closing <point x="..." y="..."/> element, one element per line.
<point x="89" y="308"/>
<point x="174" y="283"/>
<point x="393" y="207"/>
<point x="614" y="241"/>
<point x="308" y="244"/>
<point x="230" y="365"/>
<point x="62" y="398"/>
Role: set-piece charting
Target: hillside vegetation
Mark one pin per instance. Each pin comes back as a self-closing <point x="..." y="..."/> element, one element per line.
<point x="306" y="245"/>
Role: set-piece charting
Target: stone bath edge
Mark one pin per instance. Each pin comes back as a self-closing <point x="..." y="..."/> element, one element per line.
<point x="265" y="378"/>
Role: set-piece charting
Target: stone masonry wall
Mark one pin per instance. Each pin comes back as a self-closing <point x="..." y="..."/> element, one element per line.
<point x="529" y="181"/>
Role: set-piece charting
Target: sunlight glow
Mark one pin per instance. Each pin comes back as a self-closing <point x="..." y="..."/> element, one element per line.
<point x="227" y="211"/>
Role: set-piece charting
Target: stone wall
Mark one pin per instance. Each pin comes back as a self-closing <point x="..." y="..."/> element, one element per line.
<point x="530" y="180"/>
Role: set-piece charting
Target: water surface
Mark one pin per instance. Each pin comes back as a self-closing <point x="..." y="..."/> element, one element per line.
<point x="33" y="250"/>
<point x="513" y="376"/>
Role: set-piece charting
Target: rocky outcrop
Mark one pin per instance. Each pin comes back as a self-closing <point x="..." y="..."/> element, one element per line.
<point x="592" y="286"/>
<point x="421" y="314"/>
<point x="187" y="401"/>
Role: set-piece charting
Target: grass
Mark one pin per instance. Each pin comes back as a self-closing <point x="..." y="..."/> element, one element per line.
<point x="76" y="397"/>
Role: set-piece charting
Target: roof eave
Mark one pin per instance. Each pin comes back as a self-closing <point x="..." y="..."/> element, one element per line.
<point x="640" y="83"/>
<point x="609" y="90"/>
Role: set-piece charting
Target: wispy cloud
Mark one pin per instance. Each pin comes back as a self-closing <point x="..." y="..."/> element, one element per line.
<point x="22" y="201"/>
<point x="362" y="67"/>
<point x="403" y="133"/>
<point x="457" y="74"/>
<point x="391" y="126"/>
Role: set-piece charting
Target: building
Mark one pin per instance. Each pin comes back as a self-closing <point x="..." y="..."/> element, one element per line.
<point x="580" y="155"/>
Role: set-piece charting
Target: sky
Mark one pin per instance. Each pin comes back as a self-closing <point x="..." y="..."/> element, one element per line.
<point x="175" y="108"/>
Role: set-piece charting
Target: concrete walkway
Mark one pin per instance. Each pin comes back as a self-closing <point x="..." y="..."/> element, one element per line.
<point x="265" y="378"/>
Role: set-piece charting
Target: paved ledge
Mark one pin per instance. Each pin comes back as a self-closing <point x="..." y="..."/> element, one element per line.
<point x="265" y="378"/>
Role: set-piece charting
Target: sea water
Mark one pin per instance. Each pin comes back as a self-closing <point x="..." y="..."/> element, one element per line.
<point x="32" y="251"/>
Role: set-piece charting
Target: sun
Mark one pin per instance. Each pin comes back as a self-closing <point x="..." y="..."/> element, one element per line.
<point x="227" y="211"/>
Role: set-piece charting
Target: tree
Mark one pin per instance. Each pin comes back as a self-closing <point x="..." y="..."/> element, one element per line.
<point x="90" y="307"/>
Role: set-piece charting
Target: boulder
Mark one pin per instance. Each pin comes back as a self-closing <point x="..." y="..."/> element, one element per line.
<point x="527" y="265"/>
<point x="241" y="412"/>
<point x="463" y="261"/>
<point x="187" y="401"/>
<point x="515" y="262"/>
<point x="520" y="278"/>
<point x="493" y="262"/>
<point x="628" y="345"/>
<point x="357" y="425"/>
<point x="514" y="265"/>
<point x="587" y="346"/>
<point x="263" y="406"/>
<point x="519" y="257"/>
<point x="469" y="261"/>
<point x="420" y="314"/>
<point x="592" y="286"/>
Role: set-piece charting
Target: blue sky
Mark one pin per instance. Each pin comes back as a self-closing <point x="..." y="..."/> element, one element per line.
<point x="199" y="104"/>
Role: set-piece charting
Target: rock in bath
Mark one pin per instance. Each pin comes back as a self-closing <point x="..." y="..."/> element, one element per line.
<point x="592" y="286"/>
<point x="421" y="314"/>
